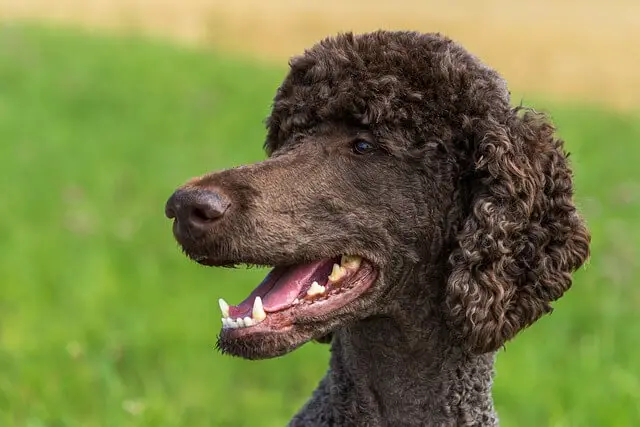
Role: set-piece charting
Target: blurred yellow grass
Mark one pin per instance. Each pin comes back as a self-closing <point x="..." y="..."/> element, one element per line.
<point x="583" y="50"/>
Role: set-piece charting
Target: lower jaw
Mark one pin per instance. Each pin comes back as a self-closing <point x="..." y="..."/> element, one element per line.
<point x="265" y="344"/>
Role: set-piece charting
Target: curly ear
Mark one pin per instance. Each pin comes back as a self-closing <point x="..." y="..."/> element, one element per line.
<point x="522" y="237"/>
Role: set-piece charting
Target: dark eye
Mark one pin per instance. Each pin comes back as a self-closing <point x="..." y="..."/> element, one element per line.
<point x="361" y="146"/>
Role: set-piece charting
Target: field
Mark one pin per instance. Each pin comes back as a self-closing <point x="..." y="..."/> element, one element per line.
<point x="581" y="49"/>
<point x="104" y="323"/>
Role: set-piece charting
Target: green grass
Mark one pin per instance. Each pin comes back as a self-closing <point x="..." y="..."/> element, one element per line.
<point x="104" y="323"/>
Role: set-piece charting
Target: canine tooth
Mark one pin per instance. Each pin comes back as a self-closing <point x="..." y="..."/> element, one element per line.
<point x="315" y="289"/>
<point x="350" y="261"/>
<point x="224" y="321"/>
<point x="337" y="273"/>
<point x="258" y="313"/>
<point x="248" y="321"/>
<point x="224" y="307"/>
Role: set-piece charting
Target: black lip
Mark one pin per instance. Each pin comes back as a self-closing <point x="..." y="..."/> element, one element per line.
<point x="204" y="258"/>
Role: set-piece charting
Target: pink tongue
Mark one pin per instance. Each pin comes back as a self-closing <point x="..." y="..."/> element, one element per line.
<point x="282" y="285"/>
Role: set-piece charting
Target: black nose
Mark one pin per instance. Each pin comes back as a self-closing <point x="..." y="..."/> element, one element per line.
<point x="196" y="207"/>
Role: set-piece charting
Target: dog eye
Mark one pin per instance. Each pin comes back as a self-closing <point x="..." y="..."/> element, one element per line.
<point x="360" y="146"/>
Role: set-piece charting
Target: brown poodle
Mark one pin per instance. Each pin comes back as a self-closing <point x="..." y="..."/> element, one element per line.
<point x="412" y="217"/>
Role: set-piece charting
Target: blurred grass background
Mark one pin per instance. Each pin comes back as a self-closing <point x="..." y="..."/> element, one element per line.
<point x="104" y="323"/>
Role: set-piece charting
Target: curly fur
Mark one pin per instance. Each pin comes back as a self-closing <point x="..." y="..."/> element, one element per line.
<point x="465" y="206"/>
<point x="524" y="238"/>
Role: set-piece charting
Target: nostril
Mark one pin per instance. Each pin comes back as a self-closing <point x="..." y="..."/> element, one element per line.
<point x="196" y="207"/>
<point x="208" y="206"/>
<point x="205" y="215"/>
<point x="169" y="211"/>
<point x="170" y="208"/>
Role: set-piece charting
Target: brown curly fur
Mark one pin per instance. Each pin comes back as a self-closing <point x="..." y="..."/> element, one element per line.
<point x="465" y="207"/>
<point x="524" y="238"/>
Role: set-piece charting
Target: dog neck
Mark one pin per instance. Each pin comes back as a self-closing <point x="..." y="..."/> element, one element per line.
<point x="413" y="380"/>
<point x="387" y="373"/>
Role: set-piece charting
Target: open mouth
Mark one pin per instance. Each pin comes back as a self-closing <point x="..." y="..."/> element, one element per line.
<point x="294" y="293"/>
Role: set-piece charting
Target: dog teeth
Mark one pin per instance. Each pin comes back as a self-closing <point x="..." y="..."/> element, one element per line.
<point x="337" y="273"/>
<point x="315" y="289"/>
<point x="347" y="262"/>
<point x="224" y="307"/>
<point x="350" y="261"/>
<point x="229" y="323"/>
<point x="258" y="313"/>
